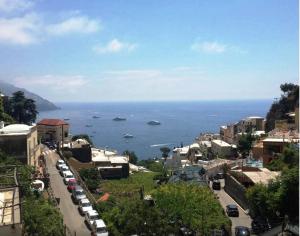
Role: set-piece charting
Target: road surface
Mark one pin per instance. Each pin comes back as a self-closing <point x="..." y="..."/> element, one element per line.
<point x="72" y="218"/>
<point x="225" y="199"/>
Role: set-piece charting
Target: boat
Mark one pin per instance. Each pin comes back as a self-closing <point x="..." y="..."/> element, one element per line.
<point x="128" y="136"/>
<point x="119" y="118"/>
<point x="153" y="122"/>
<point x="66" y="119"/>
<point x="96" y="117"/>
<point x="88" y="126"/>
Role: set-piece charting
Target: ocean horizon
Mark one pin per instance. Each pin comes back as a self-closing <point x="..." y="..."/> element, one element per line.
<point x="181" y="121"/>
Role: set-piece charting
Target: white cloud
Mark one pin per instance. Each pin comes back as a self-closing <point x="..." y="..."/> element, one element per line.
<point x="59" y="83"/>
<point x="209" y="47"/>
<point x="216" y="48"/>
<point x="114" y="46"/>
<point x="20" y="30"/>
<point x="133" y="74"/>
<point x="74" y="24"/>
<point x="15" y="5"/>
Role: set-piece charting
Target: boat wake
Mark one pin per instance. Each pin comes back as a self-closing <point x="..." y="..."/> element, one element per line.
<point x="161" y="144"/>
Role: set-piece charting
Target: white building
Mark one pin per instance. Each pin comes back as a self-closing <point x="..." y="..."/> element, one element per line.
<point x="220" y="148"/>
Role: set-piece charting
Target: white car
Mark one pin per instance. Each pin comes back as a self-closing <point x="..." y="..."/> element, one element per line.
<point x="63" y="168"/>
<point x="67" y="176"/>
<point x="85" y="206"/>
<point x="99" y="228"/>
<point x="90" y="217"/>
<point x="59" y="163"/>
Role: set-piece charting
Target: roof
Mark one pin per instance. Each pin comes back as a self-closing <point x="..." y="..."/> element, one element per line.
<point x="206" y="143"/>
<point x="195" y="145"/>
<point x="278" y="140"/>
<point x="255" y="117"/>
<point x="52" y="122"/>
<point x="263" y="175"/>
<point x="15" y="129"/>
<point x="221" y="143"/>
<point x="99" y="223"/>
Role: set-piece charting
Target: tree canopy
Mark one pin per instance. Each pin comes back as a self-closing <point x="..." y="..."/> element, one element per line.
<point x="132" y="156"/>
<point x="22" y="109"/>
<point x="175" y="206"/>
<point x="281" y="195"/>
<point x="245" y="144"/>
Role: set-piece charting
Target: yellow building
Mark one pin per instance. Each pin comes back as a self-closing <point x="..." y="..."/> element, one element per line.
<point x="21" y="141"/>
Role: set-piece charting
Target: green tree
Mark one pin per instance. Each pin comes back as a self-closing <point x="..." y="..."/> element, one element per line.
<point x="91" y="178"/>
<point x="136" y="217"/>
<point x="192" y="206"/>
<point x="165" y="151"/>
<point x="287" y="159"/>
<point x="23" y="110"/>
<point x="245" y="144"/>
<point x="132" y="156"/>
<point x="281" y="195"/>
<point x="41" y="218"/>
<point x="3" y="115"/>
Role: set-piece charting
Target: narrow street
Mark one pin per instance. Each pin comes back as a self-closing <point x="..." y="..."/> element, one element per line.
<point x="72" y="218"/>
<point x="225" y="199"/>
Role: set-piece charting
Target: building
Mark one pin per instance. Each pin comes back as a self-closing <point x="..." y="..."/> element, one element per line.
<point x="109" y="164"/>
<point x="228" y="133"/>
<point x="53" y="130"/>
<point x="21" y="142"/>
<point x="221" y="149"/>
<point x="272" y="146"/>
<point x="255" y="123"/>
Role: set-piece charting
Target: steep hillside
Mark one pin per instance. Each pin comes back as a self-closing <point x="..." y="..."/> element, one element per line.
<point x="41" y="103"/>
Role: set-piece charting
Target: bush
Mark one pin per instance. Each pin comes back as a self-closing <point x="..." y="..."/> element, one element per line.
<point x="67" y="154"/>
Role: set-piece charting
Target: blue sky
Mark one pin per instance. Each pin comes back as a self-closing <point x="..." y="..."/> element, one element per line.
<point x="138" y="50"/>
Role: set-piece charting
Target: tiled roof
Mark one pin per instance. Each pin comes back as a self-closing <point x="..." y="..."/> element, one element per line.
<point x="52" y="122"/>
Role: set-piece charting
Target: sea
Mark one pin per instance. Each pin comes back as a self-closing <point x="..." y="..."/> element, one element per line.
<point x="181" y="122"/>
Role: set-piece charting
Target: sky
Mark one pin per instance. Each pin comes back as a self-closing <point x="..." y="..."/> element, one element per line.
<point x="154" y="50"/>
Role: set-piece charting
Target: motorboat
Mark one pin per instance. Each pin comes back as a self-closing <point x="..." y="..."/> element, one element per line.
<point x="153" y="122"/>
<point x="96" y="117"/>
<point x="128" y="136"/>
<point x="119" y="118"/>
<point x="88" y="126"/>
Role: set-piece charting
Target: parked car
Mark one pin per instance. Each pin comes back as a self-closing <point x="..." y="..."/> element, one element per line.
<point x="84" y="206"/>
<point x="59" y="163"/>
<point x="99" y="228"/>
<point x="220" y="175"/>
<point x="71" y="184"/>
<point x="260" y="225"/>
<point x="90" y="217"/>
<point x="68" y="175"/>
<point x="78" y="193"/>
<point x="63" y="168"/>
<point x="216" y="185"/>
<point x="242" y="231"/>
<point x="232" y="210"/>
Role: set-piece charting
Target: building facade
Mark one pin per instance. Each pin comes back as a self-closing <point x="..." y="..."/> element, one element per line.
<point x="53" y="130"/>
<point x="21" y="142"/>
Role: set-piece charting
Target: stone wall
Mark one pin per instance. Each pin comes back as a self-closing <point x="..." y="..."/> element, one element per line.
<point x="236" y="190"/>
